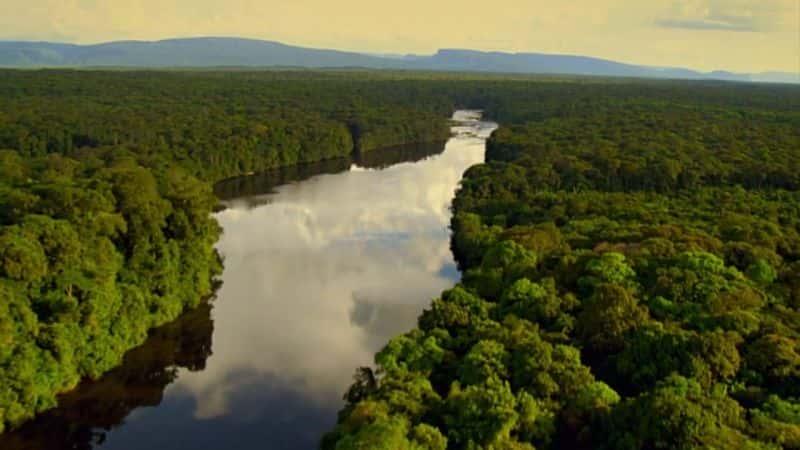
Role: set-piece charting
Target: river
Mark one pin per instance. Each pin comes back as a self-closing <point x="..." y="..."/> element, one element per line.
<point x="323" y="264"/>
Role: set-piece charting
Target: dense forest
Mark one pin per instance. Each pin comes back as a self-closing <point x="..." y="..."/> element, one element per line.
<point x="106" y="199"/>
<point x="85" y="416"/>
<point x="215" y="125"/>
<point x="631" y="261"/>
<point x="630" y="251"/>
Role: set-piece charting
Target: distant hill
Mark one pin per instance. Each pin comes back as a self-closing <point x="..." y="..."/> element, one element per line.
<point x="471" y="60"/>
<point x="215" y="52"/>
<point x="193" y="52"/>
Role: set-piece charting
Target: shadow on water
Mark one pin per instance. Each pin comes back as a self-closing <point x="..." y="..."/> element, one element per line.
<point x="318" y="276"/>
<point x="86" y="414"/>
<point x="256" y="185"/>
<point x="265" y="182"/>
<point x="389" y="156"/>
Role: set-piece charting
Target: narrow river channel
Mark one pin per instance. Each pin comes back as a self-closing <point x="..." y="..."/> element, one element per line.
<point x="319" y="274"/>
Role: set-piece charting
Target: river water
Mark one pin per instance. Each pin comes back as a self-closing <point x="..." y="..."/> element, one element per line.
<point x="323" y="264"/>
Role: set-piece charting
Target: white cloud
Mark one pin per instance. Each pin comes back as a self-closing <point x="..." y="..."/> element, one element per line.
<point x="730" y="15"/>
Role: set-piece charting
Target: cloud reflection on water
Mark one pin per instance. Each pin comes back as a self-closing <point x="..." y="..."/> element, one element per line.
<point x="317" y="278"/>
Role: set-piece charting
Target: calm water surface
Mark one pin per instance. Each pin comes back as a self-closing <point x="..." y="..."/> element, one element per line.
<point x="319" y="273"/>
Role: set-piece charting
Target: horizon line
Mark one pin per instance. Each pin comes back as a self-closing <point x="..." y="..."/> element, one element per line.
<point x="388" y="55"/>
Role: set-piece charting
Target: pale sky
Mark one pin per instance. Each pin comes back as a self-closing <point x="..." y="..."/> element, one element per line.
<point x="738" y="35"/>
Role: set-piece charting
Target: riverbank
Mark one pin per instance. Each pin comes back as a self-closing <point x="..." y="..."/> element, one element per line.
<point x="311" y="250"/>
<point x="104" y="232"/>
<point x="192" y="203"/>
<point x="106" y="197"/>
<point x="620" y="290"/>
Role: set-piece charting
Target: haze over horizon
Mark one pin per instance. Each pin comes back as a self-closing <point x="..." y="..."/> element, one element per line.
<point x="735" y="35"/>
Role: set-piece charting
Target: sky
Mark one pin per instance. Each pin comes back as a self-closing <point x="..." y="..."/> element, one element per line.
<point x="737" y="35"/>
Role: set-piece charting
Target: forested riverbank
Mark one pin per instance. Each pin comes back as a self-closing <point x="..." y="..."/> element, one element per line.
<point x="631" y="281"/>
<point x="630" y="249"/>
<point x="106" y="200"/>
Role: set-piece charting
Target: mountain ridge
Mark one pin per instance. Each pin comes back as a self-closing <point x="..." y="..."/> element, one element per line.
<point x="213" y="51"/>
